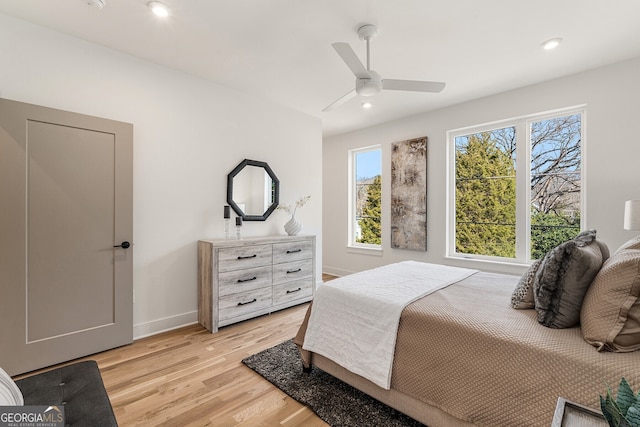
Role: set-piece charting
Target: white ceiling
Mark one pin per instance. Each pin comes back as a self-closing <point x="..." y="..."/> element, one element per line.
<point x="281" y="49"/>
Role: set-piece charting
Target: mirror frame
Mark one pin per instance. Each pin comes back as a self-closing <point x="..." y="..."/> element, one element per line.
<point x="276" y="195"/>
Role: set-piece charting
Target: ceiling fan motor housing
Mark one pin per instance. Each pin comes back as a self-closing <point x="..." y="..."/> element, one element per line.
<point x="368" y="82"/>
<point x="369" y="87"/>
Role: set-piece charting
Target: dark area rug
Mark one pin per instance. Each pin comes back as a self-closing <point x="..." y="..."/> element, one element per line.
<point x="337" y="403"/>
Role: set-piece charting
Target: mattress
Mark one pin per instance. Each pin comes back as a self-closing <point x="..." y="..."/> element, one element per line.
<point x="466" y="352"/>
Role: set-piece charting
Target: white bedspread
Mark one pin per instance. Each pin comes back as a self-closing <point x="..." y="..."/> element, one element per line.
<point x="354" y="319"/>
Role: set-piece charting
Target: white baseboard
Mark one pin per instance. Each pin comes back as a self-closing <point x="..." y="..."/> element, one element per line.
<point x="142" y="330"/>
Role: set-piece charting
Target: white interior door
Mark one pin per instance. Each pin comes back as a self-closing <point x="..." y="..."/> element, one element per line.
<point x="66" y="194"/>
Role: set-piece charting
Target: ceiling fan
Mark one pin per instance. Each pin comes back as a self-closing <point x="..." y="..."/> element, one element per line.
<point x="368" y="82"/>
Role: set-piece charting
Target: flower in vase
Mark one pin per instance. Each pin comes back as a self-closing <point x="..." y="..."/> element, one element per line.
<point x="291" y="209"/>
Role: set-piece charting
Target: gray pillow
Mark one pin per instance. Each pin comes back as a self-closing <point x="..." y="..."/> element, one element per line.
<point x="563" y="278"/>
<point x="604" y="249"/>
<point x="522" y="297"/>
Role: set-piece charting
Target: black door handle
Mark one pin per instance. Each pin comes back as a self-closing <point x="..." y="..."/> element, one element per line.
<point x="123" y="245"/>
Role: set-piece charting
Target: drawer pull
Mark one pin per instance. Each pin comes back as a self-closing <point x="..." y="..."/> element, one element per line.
<point x="247" y="280"/>
<point x="248" y="302"/>
<point x="295" y="290"/>
<point x="294" y="271"/>
<point x="247" y="257"/>
<point x="294" y="251"/>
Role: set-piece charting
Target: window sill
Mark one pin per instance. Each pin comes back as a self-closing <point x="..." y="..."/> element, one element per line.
<point x="362" y="250"/>
<point x="501" y="266"/>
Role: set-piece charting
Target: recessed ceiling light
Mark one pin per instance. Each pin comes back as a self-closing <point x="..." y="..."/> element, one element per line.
<point x="366" y="105"/>
<point x="551" y="43"/>
<point x="160" y="9"/>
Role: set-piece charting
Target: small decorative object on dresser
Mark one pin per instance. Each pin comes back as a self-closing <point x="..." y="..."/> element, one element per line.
<point x="238" y="227"/>
<point x="241" y="279"/>
<point x="293" y="226"/>
<point x="227" y="219"/>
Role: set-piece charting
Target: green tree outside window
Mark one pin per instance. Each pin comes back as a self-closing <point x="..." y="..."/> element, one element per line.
<point x="370" y="229"/>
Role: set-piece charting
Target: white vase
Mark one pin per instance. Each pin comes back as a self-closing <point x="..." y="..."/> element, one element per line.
<point x="293" y="226"/>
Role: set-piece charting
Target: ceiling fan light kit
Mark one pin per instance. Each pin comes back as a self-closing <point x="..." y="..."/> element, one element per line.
<point x="368" y="82"/>
<point x="370" y="86"/>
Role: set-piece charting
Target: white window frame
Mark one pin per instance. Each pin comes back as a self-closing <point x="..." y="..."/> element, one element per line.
<point x="352" y="244"/>
<point x="522" y="126"/>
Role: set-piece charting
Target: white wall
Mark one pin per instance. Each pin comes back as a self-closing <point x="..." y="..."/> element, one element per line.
<point x="188" y="135"/>
<point x="611" y="95"/>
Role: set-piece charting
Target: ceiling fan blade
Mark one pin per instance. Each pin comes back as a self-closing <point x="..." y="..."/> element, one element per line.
<point x="352" y="93"/>
<point x="412" y="85"/>
<point x="351" y="59"/>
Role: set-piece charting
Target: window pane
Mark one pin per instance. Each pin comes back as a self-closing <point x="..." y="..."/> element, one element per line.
<point x="548" y="194"/>
<point x="368" y="197"/>
<point x="555" y="182"/>
<point x="486" y="193"/>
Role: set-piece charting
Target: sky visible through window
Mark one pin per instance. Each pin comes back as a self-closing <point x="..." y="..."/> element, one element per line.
<point x="368" y="164"/>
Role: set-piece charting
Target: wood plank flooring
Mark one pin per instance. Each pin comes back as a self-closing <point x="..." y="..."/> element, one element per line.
<point x="190" y="377"/>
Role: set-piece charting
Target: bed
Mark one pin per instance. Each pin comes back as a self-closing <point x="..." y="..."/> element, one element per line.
<point x="464" y="356"/>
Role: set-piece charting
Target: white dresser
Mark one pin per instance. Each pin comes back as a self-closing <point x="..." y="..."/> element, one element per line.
<point x="241" y="279"/>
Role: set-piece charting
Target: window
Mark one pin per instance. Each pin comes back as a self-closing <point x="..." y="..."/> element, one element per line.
<point x="517" y="186"/>
<point x="366" y="197"/>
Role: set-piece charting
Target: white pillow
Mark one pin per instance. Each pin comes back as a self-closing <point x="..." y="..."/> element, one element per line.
<point x="10" y="394"/>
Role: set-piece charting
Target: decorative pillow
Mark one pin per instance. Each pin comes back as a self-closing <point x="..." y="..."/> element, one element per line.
<point x="610" y="316"/>
<point x="522" y="297"/>
<point x="631" y="244"/>
<point x="584" y="237"/>
<point x="604" y="249"/>
<point x="10" y="394"/>
<point x="563" y="279"/>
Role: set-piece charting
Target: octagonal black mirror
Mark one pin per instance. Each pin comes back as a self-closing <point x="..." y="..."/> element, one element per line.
<point x="253" y="190"/>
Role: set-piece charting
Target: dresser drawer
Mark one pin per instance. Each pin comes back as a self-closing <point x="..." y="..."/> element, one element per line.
<point x="292" y="271"/>
<point x="242" y="257"/>
<point x="292" y="251"/>
<point x="240" y="304"/>
<point x="232" y="282"/>
<point x="287" y="292"/>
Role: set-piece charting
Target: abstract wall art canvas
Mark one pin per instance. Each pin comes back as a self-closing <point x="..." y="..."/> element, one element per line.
<point x="409" y="194"/>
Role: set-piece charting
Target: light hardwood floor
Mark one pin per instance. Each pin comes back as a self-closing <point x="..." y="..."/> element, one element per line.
<point x="190" y="377"/>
